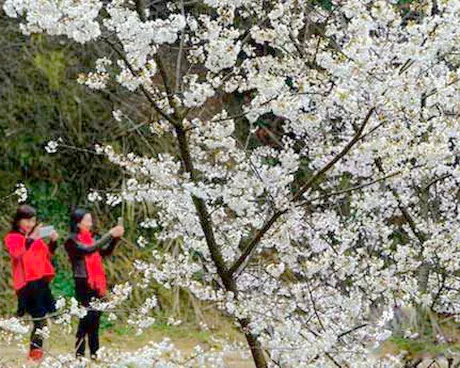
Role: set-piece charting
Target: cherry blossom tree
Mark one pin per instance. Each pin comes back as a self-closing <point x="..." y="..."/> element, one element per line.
<point x="309" y="237"/>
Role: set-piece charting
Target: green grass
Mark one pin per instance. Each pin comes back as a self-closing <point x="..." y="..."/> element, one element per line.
<point x="187" y="331"/>
<point x="437" y="335"/>
<point x="420" y="347"/>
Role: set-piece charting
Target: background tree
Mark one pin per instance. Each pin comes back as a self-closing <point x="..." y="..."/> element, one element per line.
<point x="349" y="209"/>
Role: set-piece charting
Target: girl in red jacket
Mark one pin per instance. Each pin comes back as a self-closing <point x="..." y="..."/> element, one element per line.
<point x="32" y="272"/>
<point x="86" y="254"/>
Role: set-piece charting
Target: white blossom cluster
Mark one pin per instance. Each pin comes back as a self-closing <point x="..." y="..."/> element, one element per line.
<point x="74" y="19"/>
<point x="51" y="147"/>
<point x="354" y="190"/>
<point x="21" y="192"/>
<point x="154" y="354"/>
<point x="99" y="78"/>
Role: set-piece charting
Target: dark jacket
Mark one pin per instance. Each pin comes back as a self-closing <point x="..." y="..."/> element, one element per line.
<point x="77" y="251"/>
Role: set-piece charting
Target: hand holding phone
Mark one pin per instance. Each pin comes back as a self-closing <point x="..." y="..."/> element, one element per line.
<point x="45" y="231"/>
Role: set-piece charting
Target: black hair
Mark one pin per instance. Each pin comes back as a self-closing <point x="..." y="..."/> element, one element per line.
<point x="76" y="217"/>
<point x="23" y="212"/>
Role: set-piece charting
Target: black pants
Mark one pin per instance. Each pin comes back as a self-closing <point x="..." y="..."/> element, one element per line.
<point x="89" y="324"/>
<point x="36" y="299"/>
<point x="36" y="340"/>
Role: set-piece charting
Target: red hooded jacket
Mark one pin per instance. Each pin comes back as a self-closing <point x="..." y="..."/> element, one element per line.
<point x="29" y="264"/>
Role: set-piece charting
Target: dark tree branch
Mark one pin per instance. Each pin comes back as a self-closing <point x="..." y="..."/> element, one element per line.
<point x="142" y="88"/>
<point x="249" y="249"/>
<point x="337" y="158"/>
<point x="349" y="190"/>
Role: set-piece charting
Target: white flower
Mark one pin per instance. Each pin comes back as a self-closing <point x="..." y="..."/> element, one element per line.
<point x="14" y="325"/>
<point x="276" y="270"/>
<point x="51" y="147"/>
<point x="197" y="94"/>
<point x="94" y="196"/>
<point x="221" y="54"/>
<point x="60" y="303"/>
<point x="21" y="192"/>
<point x="76" y="310"/>
<point x="117" y="115"/>
<point x="173" y="322"/>
<point x="44" y="332"/>
<point x="94" y="80"/>
<point x="149" y="223"/>
<point x="113" y="199"/>
<point x="141" y="241"/>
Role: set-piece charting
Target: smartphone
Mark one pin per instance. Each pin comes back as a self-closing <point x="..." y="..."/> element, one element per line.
<point x="120" y="221"/>
<point x="46" y="231"/>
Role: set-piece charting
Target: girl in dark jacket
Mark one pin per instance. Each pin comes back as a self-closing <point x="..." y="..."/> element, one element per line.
<point x="32" y="272"/>
<point x="86" y="255"/>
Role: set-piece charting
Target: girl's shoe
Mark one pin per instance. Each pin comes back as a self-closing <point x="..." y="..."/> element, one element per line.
<point x="36" y="355"/>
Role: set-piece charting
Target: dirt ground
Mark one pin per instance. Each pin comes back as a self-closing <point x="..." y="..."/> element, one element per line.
<point x="13" y="355"/>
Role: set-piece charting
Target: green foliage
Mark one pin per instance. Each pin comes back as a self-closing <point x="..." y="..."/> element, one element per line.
<point x="52" y="64"/>
<point x="326" y="4"/>
<point x="63" y="284"/>
<point x="50" y="200"/>
<point x="106" y="324"/>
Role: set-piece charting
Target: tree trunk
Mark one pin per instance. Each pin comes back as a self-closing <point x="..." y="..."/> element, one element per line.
<point x="227" y="277"/>
<point x="254" y="345"/>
